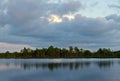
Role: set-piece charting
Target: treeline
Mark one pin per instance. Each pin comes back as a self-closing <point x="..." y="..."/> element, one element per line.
<point x="54" y="52"/>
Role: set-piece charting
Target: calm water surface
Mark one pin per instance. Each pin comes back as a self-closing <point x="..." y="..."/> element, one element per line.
<point x="60" y="70"/>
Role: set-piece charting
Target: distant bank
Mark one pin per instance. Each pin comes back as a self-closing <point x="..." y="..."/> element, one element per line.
<point x="55" y="52"/>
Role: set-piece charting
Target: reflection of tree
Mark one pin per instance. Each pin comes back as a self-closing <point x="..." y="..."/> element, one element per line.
<point x="70" y="65"/>
<point x="104" y="64"/>
<point x="62" y="65"/>
<point x="118" y="62"/>
<point x="52" y="66"/>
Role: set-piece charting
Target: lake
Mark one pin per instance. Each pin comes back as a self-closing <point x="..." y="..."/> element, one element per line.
<point x="59" y="69"/>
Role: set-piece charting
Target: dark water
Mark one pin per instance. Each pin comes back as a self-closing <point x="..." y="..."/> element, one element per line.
<point x="60" y="70"/>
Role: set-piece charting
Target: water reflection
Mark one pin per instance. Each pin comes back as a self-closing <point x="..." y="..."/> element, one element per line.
<point x="4" y="67"/>
<point x="75" y="65"/>
<point x="53" y="66"/>
<point x="59" y="70"/>
<point x="104" y="64"/>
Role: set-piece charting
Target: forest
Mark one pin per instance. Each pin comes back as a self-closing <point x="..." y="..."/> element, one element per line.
<point x="55" y="52"/>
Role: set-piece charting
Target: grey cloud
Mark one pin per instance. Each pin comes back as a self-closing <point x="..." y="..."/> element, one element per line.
<point x="82" y="31"/>
<point x="23" y="25"/>
<point x="89" y="26"/>
<point x="114" y="6"/>
<point x="94" y="4"/>
<point x="113" y="17"/>
<point x="71" y="6"/>
<point x="25" y="14"/>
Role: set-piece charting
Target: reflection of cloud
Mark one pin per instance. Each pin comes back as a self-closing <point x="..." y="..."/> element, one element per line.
<point x="83" y="70"/>
<point x="57" y="60"/>
<point x="4" y="67"/>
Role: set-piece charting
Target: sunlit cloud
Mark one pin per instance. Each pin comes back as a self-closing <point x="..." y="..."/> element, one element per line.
<point x="55" y="19"/>
<point x="69" y="16"/>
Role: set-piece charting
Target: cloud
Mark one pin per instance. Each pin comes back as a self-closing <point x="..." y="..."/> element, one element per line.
<point x="20" y="14"/>
<point x="113" y="17"/>
<point x="58" y="19"/>
<point x="69" y="16"/>
<point x="114" y="6"/>
<point x="54" y="19"/>
<point x="42" y="23"/>
<point x="12" y="47"/>
<point x="94" y="4"/>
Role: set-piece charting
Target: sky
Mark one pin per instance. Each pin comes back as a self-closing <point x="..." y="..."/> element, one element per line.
<point x="88" y="24"/>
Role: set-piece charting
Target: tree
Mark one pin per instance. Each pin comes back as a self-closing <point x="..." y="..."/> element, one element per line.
<point x="64" y="53"/>
<point x="87" y="53"/>
<point x="70" y="49"/>
<point x="26" y="52"/>
<point x="51" y="51"/>
<point x="77" y="51"/>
